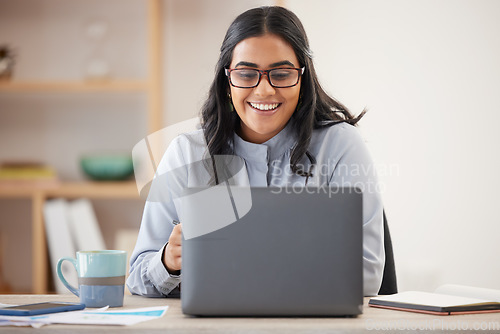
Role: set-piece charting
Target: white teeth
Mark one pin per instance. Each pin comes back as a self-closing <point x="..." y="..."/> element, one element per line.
<point x="266" y="107"/>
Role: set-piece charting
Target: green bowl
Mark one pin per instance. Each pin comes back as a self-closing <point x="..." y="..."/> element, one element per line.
<point x="107" y="167"/>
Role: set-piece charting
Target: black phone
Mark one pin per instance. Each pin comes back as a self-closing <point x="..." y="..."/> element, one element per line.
<point x="41" y="308"/>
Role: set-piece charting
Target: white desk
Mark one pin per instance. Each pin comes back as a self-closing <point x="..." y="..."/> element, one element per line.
<point x="372" y="320"/>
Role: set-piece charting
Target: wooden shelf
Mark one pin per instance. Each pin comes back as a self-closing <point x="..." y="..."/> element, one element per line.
<point x="122" y="190"/>
<point x="89" y="189"/>
<point x="74" y="86"/>
<point x="24" y="190"/>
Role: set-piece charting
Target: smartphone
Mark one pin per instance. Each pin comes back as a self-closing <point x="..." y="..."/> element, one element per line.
<point x="41" y="308"/>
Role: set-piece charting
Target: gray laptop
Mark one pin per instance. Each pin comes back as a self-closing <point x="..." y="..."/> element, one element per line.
<point x="271" y="251"/>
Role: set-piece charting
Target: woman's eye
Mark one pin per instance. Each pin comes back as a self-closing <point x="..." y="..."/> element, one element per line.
<point x="246" y="75"/>
<point x="281" y="75"/>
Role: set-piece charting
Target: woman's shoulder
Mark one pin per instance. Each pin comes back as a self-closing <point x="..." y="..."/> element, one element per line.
<point x="340" y="132"/>
<point x="184" y="149"/>
<point x="189" y="139"/>
<point x="338" y="141"/>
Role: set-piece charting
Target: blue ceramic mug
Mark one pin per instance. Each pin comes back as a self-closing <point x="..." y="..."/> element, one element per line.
<point x="101" y="277"/>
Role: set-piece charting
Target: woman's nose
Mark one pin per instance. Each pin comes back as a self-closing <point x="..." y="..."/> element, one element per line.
<point x="264" y="88"/>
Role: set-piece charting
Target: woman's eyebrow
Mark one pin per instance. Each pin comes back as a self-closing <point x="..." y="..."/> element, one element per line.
<point x="246" y="63"/>
<point x="279" y="63"/>
<point x="282" y="63"/>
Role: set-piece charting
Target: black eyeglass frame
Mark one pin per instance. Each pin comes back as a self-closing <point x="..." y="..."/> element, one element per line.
<point x="301" y="71"/>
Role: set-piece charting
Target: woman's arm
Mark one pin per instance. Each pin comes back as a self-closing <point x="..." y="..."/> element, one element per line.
<point x="148" y="273"/>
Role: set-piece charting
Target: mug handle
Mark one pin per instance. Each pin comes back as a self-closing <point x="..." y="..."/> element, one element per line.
<point x="61" y="276"/>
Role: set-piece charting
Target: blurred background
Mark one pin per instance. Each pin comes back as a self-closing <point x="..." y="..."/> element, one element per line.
<point x="93" y="77"/>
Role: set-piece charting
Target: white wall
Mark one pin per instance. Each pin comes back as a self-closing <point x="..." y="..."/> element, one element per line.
<point x="193" y="34"/>
<point x="429" y="72"/>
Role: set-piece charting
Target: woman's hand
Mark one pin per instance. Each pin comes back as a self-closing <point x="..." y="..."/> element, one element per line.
<point x="172" y="255"/>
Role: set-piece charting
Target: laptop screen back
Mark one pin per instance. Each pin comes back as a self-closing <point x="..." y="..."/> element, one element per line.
<point x="287" y="252"/>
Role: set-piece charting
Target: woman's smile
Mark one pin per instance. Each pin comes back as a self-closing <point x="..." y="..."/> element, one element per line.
<point x="263" y="108"/>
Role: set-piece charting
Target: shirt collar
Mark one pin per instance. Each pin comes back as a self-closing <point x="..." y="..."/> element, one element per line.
<point x="270" y="150"/>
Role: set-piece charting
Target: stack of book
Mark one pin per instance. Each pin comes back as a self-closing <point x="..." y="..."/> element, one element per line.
<point x="21" y="174"/>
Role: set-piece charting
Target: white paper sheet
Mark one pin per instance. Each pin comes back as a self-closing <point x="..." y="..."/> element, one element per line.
<point x="122" y="317"/>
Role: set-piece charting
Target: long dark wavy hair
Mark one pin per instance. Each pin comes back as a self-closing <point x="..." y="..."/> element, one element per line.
<point x="315" y="109"/>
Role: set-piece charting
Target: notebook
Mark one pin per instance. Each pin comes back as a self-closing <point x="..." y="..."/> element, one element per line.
<point x="448" y="299"/>
<point x="271" y="251"/>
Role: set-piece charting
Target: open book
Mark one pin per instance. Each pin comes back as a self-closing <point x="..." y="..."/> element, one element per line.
<point x="448" y="299"/>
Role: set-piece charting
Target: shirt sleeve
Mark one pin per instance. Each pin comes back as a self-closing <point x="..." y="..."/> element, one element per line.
<point x="355" y="168"/>
<point x="148" y="276"/>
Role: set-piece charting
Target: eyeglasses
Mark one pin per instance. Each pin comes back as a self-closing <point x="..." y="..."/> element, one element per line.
<point x="250" y="78"/>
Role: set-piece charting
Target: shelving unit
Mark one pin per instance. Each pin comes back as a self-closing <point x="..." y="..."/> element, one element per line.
<point x="151" y="86"/>
<point x="38" y="196"/>
<point x="74" y="86"/>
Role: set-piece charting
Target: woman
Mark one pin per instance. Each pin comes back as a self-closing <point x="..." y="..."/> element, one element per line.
<point x="266" y="107"/>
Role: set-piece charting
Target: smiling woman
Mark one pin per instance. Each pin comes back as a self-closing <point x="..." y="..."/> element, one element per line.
<point x="266" y="108"/>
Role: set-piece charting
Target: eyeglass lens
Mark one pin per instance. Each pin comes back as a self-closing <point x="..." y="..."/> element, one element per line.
<point x="280" y="77"/>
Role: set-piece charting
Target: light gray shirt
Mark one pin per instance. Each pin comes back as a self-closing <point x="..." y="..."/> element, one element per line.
<point x="342" y="159"/>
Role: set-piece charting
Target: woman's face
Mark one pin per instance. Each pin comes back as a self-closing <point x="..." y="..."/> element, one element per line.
<point x="264" y="110"/>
